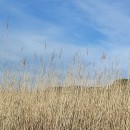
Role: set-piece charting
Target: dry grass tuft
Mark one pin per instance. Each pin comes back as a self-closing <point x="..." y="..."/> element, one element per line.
<point x="65" y="108"/>
<point x="50" y="106"/>
<point x="57" y="97"/>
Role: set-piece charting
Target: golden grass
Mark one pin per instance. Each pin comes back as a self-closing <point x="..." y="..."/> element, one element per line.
<point x="65" y="108"/>
<point x="59" y="98"/>
<point x="62" y="108"/>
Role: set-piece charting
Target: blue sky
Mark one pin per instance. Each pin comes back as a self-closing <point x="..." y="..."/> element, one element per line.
<point x="97" y="26"/>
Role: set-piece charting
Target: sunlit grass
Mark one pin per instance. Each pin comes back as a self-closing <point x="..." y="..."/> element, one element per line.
<point x="64" y="95"/>
<point x="49" y="101"/>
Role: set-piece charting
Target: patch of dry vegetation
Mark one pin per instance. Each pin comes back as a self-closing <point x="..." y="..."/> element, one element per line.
<point x="77" y="97"/>
<point x="55" y="105"/>
<point x="65" y="108"/>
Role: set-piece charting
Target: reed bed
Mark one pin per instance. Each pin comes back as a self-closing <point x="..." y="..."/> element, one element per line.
<point x="57" y="98"/>
<point x="52" y="95"/>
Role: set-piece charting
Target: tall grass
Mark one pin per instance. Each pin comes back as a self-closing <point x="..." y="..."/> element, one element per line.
<point x="79" y="96"/>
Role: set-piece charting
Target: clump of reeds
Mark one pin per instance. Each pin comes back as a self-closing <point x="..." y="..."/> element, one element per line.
<point x="52" y="100"/>
<point x="77" y="96"/>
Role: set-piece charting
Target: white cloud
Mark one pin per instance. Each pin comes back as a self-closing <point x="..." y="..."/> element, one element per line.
<point x="109" y="19"/>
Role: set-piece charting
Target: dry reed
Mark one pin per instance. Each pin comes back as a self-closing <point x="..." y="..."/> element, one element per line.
<point x="79" y="96"/>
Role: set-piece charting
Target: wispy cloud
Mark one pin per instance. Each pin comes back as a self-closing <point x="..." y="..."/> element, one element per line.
<point x="110" y="19"/>
<point x="77" y="25"/>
